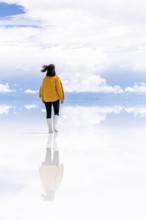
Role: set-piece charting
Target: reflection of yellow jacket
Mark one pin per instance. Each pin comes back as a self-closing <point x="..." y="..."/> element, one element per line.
<point x="51" y="89"/>
<point x="51" y="176"/>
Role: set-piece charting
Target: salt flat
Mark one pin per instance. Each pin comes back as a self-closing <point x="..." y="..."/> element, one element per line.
<point x="93" y="169"/>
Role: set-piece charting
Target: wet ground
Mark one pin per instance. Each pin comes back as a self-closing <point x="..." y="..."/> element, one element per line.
<point x="94" y="168"/>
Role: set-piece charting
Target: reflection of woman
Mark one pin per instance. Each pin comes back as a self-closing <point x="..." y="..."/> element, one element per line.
<point x="52" y="93"/>
<point x="51" y="172"/>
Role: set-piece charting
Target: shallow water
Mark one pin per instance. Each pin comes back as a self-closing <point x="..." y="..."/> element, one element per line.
<point x="98" y="171"/>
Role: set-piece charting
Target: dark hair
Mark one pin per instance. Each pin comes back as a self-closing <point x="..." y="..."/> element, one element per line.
<point x="49" y="69"/>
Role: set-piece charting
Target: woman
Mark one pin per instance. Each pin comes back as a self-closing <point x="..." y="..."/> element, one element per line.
<point x="51" y="93"/>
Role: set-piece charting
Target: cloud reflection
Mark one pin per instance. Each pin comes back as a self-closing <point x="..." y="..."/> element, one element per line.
<point x="5" y="109"/>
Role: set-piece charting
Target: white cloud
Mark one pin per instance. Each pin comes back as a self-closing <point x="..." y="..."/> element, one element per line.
<point x="30" y="91"/>
<point x="98" y="6"/>
<point x="89" y="83"/>
<point x="85" y="37"/>
<point x="91" y="115"/>
<point x="110" y="89"/>
<point x="82" y="117"/>
<point x="4" y="88"/>
<point x="137" y="110"/>
<point x="137" y="88"/>
<point x="32" y="106"/>
<point x="4" y="109"/>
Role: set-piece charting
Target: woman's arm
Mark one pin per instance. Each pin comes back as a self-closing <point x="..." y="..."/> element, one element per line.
<point x="60" y="90"/>
<point x="41" y="90"/>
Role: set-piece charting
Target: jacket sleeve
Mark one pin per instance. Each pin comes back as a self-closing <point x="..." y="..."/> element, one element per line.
<point x="41" y="90"/>
<point x="59" y="88"/>
<point x="40" y="95"/>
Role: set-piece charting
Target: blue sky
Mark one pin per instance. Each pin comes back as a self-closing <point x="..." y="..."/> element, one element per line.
<point x="10" y="9"/>
<point x="96" y="47"/>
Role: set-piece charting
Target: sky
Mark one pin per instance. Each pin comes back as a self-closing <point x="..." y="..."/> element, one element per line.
<point x="96" y="46"/>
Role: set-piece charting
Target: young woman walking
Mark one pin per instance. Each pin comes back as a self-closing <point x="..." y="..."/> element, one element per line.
<point x="51" y="93"/>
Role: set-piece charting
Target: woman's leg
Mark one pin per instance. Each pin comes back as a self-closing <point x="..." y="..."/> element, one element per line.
<point x="56" y="114"/>
<point x="56" y="107"/>
<point x="48" y="115"/>
<point x="48" y="106"/>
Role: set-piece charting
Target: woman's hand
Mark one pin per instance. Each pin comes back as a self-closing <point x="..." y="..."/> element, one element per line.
<point x="62" y="101"/>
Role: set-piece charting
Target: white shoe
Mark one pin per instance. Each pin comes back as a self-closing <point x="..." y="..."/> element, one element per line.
<point x="49" y="122"/>
<point x="55" y="122"/>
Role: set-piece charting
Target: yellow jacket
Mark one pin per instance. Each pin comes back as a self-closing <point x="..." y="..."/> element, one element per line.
<point x="51" y="89"/>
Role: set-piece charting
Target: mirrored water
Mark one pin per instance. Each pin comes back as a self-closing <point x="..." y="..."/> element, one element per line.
<point x="94" y="168"/>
